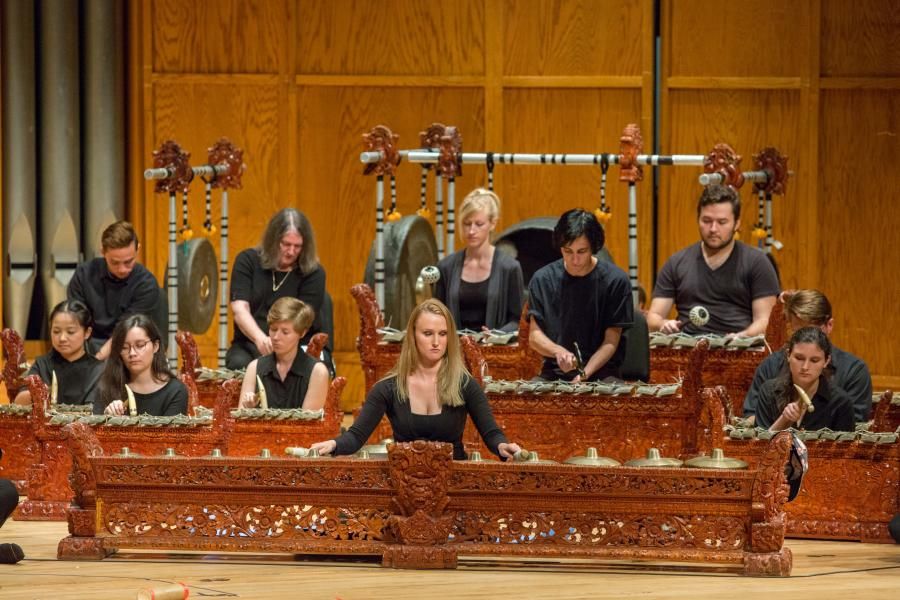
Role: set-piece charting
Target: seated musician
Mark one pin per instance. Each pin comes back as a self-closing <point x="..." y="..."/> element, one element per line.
<point x="138" y="360"/>
<point x="428" y="394"/>
<point x="285" y="264"/>
<point x="735" y="282"/>
<point x="114" y="285"/>
<point x="292" y="378"/>
<point x="579" y="300"/>
<point x="77" y="371"/>
<point x="481" y="286"/>
<point x="781" y="404"/>
<point x="811" y="308"/>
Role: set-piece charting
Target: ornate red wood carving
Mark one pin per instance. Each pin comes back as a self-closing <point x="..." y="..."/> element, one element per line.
<point x="171" y="156"/>
<point x="450" y="145"/>
<point x="399" y="509"/>
<point x="722" y="159"/>
<point x="381" y="139"/>
<point x="14" y="357"/>
<point x="223" y="152"/>
<point x="630" y="145"/>
<point x="774" y="164"/>
<point x="733" y="369"/>
<point x="886" y="413"/>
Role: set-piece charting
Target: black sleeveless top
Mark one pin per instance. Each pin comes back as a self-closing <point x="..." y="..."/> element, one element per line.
<point x="290" y="392"/>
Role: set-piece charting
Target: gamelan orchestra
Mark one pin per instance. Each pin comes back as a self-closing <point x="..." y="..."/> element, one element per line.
<point x="523" y="395"/>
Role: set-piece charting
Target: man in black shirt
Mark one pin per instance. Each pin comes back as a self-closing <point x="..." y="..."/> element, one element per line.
<point x="114" y="285"/>
<point x="579" y="300"/>
<point x="734" y="282"/>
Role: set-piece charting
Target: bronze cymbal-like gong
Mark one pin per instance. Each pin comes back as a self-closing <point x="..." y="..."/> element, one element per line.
<point x="198" y="285"/>
<point x="410" y="245"/>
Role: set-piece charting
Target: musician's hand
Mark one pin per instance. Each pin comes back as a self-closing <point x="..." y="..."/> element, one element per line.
<point x="671" y="326"/>
<point x="508" y="450"/>
<point x="116" y="408"/>
<point x="565" y="360"/>
<point x="325" y="448"/>
<point x="576" y="379"/>
<point x="248" y="400"/>
<point x="264" y="345"/>
<point x="793" y="412"/>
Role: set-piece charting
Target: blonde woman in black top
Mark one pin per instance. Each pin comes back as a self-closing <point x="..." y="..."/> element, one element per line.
<point x="292" y="379"/>
<point x="428" y="394"/>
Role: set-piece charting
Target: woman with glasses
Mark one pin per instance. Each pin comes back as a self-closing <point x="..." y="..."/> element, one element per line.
<point x="137" y="359"/>
<point x="284" y="264"/>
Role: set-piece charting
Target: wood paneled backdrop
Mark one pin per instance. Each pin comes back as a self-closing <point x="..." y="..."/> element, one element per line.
<point x="296" y="82"/>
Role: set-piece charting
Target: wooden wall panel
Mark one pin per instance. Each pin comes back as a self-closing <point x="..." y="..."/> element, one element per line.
<point x="218" y="36"/>
<point x="736" y="39"/>
<point x="749" y="121"/>
<point x="859" y="221"/>
<point x="860" y="38"/>
<point x="577" y="37"/>
<point x="196" y="115"/>
<point x="390" y="37"/>
<point x="339" y="199"/>
<point x="578" y="121"/>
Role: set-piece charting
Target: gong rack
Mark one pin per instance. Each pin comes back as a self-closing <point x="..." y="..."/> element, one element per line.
<point x="173" y="173"/>
<point x="441" y="147"/>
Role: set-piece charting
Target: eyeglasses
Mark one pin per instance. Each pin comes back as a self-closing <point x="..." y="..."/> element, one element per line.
<point x="138" y="347"/>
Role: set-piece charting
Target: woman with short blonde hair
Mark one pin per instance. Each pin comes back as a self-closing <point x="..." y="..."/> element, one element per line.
<point x="482" y="288"/>
<point x="428" y="394"/>
<point x="291" y="378"/>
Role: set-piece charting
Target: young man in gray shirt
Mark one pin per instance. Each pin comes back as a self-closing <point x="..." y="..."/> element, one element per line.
<point x="734" y="282"/>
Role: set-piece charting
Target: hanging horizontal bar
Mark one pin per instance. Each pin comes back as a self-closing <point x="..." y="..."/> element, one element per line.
<point x="429" y="156"/>
<point x="201" y="171"/>
<point x="719" y="179"/>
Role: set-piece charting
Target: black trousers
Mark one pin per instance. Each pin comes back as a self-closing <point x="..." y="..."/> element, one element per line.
<point x="9" y="499"/>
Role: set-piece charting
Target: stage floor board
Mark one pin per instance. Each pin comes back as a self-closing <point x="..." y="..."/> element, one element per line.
<point x="821" y="570"/>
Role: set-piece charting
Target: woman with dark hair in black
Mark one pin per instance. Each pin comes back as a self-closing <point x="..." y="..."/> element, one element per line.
<point x="801" y="396"/>
<point x="579" y="305"/>
<point x="137" y="359"/>
<point x="77" y="371"/>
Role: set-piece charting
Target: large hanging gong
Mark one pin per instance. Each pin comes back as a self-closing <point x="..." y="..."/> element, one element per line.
<point x="198" y="285"/>
<point x="531" y="243"/>
<point x="409" y="245"/>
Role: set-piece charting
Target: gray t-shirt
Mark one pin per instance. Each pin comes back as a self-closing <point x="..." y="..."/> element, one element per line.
<point x="727" y="292"/>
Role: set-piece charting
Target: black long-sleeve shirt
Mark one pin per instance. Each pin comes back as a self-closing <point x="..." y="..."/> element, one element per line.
<point x="833" y="408"/>
<point x="447" y="426"/>
<point x="850" y="374"/>
<point x="110" y="298"/>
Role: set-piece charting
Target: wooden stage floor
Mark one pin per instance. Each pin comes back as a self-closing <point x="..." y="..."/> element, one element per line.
<point x="821" y="570"/>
